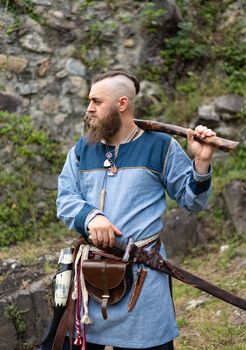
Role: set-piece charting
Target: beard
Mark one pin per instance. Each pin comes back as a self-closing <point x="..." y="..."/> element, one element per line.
<point x="102" y="129"/>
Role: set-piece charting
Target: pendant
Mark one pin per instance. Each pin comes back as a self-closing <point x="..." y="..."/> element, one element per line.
<point x="107" y="163"/>
<point x="109" y="155"/>
<point x="112" y="171"/>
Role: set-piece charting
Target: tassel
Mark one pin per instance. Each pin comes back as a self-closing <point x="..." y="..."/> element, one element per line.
<point x="86" y="319"/>
<point x="78" y="341"/>
<point x="74" y="295"/>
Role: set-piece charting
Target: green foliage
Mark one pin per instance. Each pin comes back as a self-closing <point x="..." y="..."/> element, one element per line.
<point x="224" y="334"/>
<point x="194" y="38"/>
<point x="225" y="258"/>
<point x="20" y="216"/>
<point x="216" y="324"/>
<point x="86" y="3"/>
<point x="126" y="19"/>
<point x="94" y="62"/>
<point x="234" y="347"/>
<point x="181" y="289"/>
<point x="150" y="15"/>
<point x="200" y="61"/>
<point x="15" y="315"/>
<point x="234" y="168"/>
<point x="181" y="322"/>
<point x="188" y="44"/>
<point x="97" y="30"/>
<point x="21" y="132"/>
<point x="50" y="268"/>
<point x="97" y="35"/>
<point x="233" y="53"/>
<point x="199" y="42"/>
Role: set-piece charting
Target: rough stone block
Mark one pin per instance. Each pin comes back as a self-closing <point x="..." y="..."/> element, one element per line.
<point x="235" y="198"/>
<point x="229" y="103"/>
<point x="180" y="233"/>
<point x="8" y="333"/>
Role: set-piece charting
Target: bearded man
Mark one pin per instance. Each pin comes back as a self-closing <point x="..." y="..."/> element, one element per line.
<point x="113" y="187"/>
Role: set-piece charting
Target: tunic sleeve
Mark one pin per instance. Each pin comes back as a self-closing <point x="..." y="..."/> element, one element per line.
<point x="72" y="209"/>
<point x="183" y="183"/>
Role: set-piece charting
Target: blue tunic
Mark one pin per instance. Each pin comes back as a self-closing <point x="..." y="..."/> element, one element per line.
<point x="148" y="167"/>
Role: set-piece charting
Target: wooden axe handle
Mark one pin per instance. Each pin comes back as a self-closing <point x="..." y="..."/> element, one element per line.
<point x="218" y="142"/>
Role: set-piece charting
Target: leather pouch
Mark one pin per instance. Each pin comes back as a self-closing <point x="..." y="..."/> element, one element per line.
<point x="107" y="280"/>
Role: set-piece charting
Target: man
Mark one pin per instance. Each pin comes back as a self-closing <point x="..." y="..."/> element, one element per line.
<point x="113" y="186"/>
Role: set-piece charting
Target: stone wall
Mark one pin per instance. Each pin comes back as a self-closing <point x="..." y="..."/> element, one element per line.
<point x="49" y="54"/>
<point x="39" y="58"/>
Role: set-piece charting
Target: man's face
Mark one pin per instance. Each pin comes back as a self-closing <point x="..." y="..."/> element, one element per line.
<point x="102" y="116"/>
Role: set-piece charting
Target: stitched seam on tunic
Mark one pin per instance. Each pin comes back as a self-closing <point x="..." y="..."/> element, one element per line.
<point x="91" y="170"/>
<point x="165" y="161"/>
<point x="124" y="168"/>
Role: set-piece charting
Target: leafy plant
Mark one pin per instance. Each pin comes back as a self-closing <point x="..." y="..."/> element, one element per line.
<point x="150" y="15"/>
<point x="234" y="168"/>
<point x="15" y="315"/>
<point x="20" y="216"/>
<point x="188" y="44"/>
<point x="25" y="6"/>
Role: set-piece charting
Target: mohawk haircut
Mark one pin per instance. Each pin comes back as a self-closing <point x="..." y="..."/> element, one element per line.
<point x="113" y="73"/>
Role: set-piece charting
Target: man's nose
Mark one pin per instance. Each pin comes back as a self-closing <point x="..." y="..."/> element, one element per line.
<point x="91" y="107"/>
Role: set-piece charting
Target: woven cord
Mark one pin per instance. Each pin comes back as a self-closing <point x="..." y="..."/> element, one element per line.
<point x="75" y="288"/>
<point x="79" y="339"/>
<point x="85" y="296"/>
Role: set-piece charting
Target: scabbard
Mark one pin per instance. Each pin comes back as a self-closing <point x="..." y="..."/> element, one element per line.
<point x="156" y="261"/>
<point x="202" y="284"/>
<point x="57" y="315"/>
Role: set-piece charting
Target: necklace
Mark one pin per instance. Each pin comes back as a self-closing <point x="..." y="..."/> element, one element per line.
<point x="109" y="162"/>
<point x="134" y="133"/>
<point x="110" y="166"/>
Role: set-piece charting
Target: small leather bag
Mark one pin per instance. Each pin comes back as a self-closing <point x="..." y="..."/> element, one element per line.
<point x="107" y="280"/>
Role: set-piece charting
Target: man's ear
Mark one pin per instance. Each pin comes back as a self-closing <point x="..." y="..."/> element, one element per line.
<point x="123" y="103"/>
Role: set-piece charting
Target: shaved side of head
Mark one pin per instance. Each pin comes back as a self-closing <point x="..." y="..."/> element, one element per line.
<point x="119" y="86"/>
<point x="119" y="83"/>
<point x="115" y="73"/>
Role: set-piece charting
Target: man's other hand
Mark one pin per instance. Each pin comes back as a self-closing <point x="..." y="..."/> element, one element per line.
<point x="102" y="231"/>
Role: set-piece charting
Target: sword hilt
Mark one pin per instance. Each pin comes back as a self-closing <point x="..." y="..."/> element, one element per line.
<point x="126" y="255"/>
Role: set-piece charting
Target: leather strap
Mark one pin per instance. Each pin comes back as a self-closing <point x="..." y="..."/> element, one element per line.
<point x="138" y="284"/>
<point x="156" y="261"/>
<point x="105" y="295"/>
<point x="141" y="275"/>
<point x="67" y="322"/>
<point x="104" y="308"/>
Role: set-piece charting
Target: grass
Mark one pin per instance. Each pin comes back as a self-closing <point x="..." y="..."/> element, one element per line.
<point x="213" y="325"/>
<point x="211" y="330"/>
